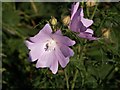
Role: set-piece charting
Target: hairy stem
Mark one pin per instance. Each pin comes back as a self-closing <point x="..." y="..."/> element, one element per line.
<point x="94" y="11"/>
<point x="74" y="79"/>
<point x="76" y="72"/>
<point x="34" y="6"/>
<point x="87" y="10"/>
<point x="81" y="52"/>
<point x="66" y="77"/>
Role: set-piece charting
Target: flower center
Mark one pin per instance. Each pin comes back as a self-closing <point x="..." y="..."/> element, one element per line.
<point x="50" y="45"/>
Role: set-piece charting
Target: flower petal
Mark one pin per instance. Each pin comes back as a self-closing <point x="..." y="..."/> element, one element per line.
<point x="54" y="66"/>
<point x="81" y="13"/>
<point x="66" y="51"/>
<point x="29" y="44"/>
<point x="47" y="29"/>
<point x="87" y="36"/>
<point x="58" y="32"/>
<point x="48" y="59"/>
<point x="44" y="60"/>
<point x="74" y="9"/>
<point x="62" y="60"/>
<point x="89" y="31"/>
<point x="43" y="34"/>
<point x="36" y="51"/>
<point x="63" y="39"/>
<point x="76" y="25"/>
<point x="86" y="22"/>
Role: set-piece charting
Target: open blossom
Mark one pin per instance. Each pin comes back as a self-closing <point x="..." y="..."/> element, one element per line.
<point x="80" y="24"/>
<point x="49" y="49"/>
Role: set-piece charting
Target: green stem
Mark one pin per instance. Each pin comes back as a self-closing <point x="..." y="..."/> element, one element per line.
<point x="82" y="3"/>
<point x="74" y="79"/>
<point x="94" y="11"/>
<point x="66" y="77"/>
<point x="88" y="14"/>
<point x="81" y="53"/>
<point x="76" y="72"/>
<point x="82" y="78"/>
<point x="34" y="6"/>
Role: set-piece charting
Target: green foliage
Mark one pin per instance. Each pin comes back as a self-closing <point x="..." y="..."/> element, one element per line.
<point x="98" y="66"/>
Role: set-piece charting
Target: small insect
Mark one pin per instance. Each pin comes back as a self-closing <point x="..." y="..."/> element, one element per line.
<point x="46" y="48"/>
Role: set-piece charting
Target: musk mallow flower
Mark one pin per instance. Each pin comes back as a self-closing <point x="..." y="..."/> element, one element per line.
<point x="50" y="48"/>
<point x="80" y="24"/>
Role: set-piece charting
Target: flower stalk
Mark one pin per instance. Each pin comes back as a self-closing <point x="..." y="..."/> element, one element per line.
<point x="94" y="11"/>
<point x="66" y="77"/>
<point x="87" y="11"/>
<point x="81" y="51"/>
<point x="74" y="79"/>
<point x="80" y="58"/>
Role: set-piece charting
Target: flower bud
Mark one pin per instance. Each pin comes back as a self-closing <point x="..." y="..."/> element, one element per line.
<point x="106" y="32"/>
<point x="90" y="3"/>
<point x="66" y="20"/>
<point x="53" y="21"/>
<point x="116" y="69"/>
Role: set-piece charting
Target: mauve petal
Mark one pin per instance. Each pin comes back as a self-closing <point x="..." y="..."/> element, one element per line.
<point x="41" y="38"/>
<point x="82" y="28"/>
<point x="77" y="14"/>
<point x="58" y="32"/>
<point x="89" y="31"/>
<point x="76" y="25"/>
<point x="91" y="38"/>
<point x="87" y="36"/>
<point x="43" y="34"/>
<point x="66" y="51"/>
<point x="45" y="60"/>
<point x="63" y="39"/>
<point x="48" y="59"/>
<point x="81" y="13"/>
<point x="74" y="9"/>
<point x="47" y="29"/>
<point x="54" y="65"/>
<point x="86" y="22"/>
<point x="29" y="44"/>
<point x="62" y="60"/>
<point x="36" y="51"/>
<point x="83" y="35"/>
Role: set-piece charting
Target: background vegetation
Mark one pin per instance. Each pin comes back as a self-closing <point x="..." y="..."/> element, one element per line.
<point x="99" y="66"/>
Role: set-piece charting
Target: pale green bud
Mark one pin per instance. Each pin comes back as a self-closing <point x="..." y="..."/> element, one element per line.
<point x="53" y="21"/>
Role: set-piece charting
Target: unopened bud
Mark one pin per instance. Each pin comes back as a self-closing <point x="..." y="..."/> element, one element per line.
<point x="66" y="20"/>
<point x="116" y="69"/>
<point x="53" y="21"/>
<point x="106" y="32"/>
<point x="90" y="3"/>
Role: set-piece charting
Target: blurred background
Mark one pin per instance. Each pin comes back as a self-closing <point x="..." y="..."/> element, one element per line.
<point x="100" y="67"/>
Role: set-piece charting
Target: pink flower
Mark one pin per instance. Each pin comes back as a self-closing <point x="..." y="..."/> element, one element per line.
<point x="80" y="24"/>
<point x="49" y="49"/>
